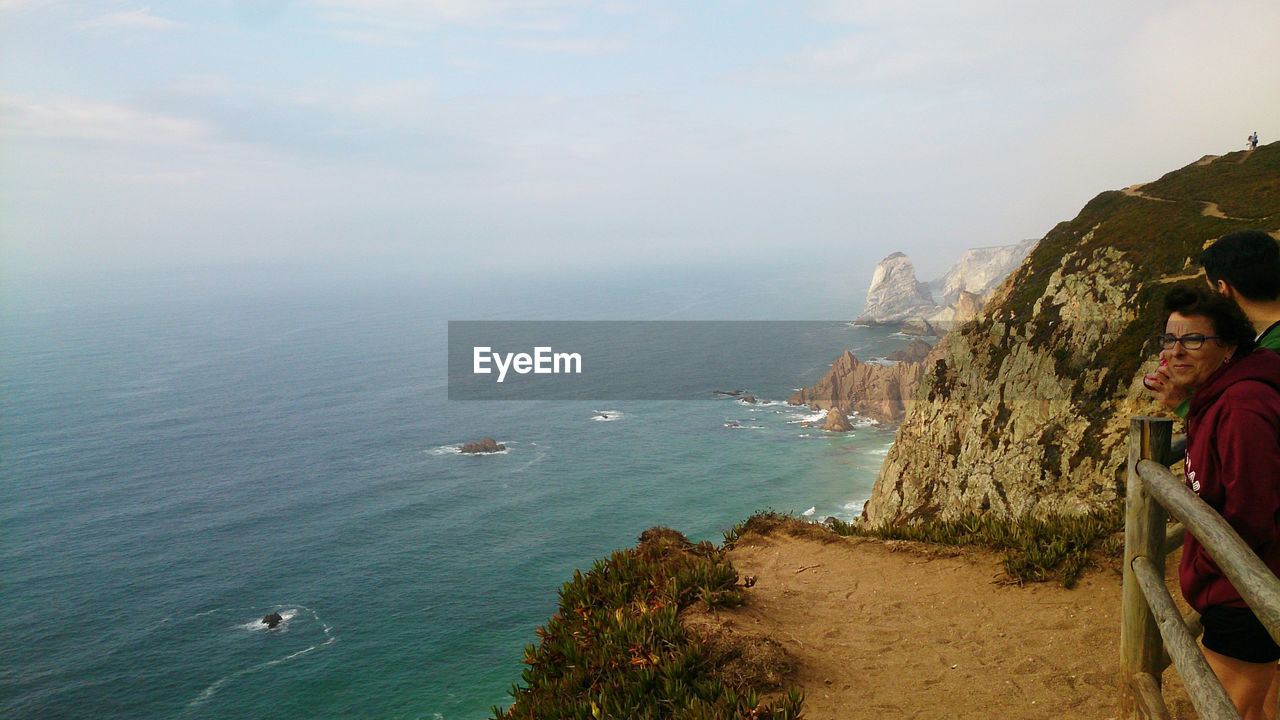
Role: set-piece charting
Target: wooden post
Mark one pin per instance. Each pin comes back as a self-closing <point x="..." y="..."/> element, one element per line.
<point x="1141" y="649"/>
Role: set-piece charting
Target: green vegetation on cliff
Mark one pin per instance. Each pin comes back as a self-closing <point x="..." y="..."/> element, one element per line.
<point x="1157" y="230"/>
<point x="1027" y="413"/>
<point x="1035" y="549"/>
<point x="616" y="648"/>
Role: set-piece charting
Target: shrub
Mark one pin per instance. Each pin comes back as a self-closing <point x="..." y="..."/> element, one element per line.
<point x="1035" y="549"/>
<point x="616" y="649"/>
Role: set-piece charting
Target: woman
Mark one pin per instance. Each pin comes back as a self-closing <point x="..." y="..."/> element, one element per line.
<point x="1233" y="464"/>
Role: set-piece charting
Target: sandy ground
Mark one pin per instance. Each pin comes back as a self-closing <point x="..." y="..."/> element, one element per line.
<point x="901" y="630"/>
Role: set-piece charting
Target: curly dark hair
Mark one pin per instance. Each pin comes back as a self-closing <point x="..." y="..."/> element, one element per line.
<point x="1228" y="320"/>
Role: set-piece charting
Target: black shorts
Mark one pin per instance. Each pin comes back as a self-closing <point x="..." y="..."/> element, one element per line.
<point x="1237" y="633"/>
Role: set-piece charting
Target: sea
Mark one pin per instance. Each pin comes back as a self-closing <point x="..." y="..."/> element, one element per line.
<point x="185" y="453"/>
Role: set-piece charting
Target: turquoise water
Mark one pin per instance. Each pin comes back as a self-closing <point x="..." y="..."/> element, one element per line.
<point x="183" y="458"/>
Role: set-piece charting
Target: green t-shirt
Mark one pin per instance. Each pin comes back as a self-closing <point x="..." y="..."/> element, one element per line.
<point x="1270" y="339"/>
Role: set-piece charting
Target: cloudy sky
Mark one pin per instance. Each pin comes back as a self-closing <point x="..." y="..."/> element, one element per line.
<point x="557" y="135"/>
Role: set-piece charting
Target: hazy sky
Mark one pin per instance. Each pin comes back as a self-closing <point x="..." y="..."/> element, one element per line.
<point x="462" y="135"/>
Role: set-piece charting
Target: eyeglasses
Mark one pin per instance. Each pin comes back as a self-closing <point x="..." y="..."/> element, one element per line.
<point x="1190" y="341"/>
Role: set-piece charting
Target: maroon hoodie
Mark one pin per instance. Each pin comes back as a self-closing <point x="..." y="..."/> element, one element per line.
<point x="1233" y="464"/>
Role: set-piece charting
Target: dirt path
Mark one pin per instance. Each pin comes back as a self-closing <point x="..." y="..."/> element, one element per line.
<point x="1209" y="209"/>
<point x="900" y="630"/>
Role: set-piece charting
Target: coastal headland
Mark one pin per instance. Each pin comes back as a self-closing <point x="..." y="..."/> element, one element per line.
<point x="1020" y="417"/>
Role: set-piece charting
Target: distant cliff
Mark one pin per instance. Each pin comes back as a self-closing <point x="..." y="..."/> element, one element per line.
<point x="896" y="297"/>
<point x="980" y="271"/>
<point x="1027" y="408"/>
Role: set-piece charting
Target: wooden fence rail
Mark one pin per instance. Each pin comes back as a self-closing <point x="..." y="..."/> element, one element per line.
<point x="1150" y="624"/>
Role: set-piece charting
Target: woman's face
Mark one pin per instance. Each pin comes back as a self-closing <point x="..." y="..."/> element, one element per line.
<point x="1189" y="369"/>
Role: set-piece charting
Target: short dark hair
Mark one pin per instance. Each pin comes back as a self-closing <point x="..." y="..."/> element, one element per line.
<point x="1249" y="260"/>
<point x="1228" y="320"/>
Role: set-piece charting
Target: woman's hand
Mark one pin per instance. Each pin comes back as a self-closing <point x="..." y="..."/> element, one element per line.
<point x="1162" y="388"/>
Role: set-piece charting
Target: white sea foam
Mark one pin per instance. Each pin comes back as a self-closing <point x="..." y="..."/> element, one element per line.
<point x="457" y="450"/>
<point x="606" y="416"/>
<point x="287" y="613"/>
<point x="737" y="426"/>
<point x="807" y="416"/>
<point x="536" y="459"/>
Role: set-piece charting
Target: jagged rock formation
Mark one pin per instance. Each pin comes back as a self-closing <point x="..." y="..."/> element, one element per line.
<point x="895" y="295"/>
<point x="1026" y="409"/>
<point x="897" y="298"/>
<point x="881" y="392"/>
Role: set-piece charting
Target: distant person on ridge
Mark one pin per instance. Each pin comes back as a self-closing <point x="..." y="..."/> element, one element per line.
<point x="1233" y="465"/>
<point x="1253" y="140"/>
<point x="1245" y="267"/>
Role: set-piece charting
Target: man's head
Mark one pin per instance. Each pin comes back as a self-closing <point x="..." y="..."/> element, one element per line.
<point x="1248" y="261"/>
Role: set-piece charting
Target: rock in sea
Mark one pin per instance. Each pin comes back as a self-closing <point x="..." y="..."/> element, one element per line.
<point x="483" y="445"/>
<point x="837" y="420"/>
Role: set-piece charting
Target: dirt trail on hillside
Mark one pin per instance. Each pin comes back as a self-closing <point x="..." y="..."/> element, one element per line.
<point x="883" y="630"/>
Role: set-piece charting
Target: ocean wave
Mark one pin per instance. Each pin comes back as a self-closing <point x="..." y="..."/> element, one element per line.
<point x="538" y="457"/>
<point x="287" y="613"/>
<point x="606" y="416"/>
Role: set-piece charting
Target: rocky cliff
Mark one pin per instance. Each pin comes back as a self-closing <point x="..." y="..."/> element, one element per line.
<point x="881" y="392"/>
<point x="1026" y="408"/>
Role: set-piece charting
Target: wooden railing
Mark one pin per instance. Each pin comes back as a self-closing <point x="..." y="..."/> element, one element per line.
<point x="1152" y="633"/>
